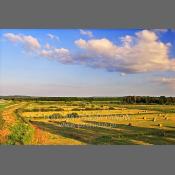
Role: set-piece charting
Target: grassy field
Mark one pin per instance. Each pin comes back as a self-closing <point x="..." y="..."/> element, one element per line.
<point x="80" y="123"/>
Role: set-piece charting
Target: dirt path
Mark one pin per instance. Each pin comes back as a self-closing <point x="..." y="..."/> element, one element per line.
<point x="41" y="137"/>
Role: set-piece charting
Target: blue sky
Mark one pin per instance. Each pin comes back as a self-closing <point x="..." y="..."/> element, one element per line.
<point x="87" y="62"/>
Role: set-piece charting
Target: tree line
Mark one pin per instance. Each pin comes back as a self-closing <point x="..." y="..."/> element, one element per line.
<point x="119" y="100"/>
<point x="67" y="99"/>
<point x="148" y="100"/>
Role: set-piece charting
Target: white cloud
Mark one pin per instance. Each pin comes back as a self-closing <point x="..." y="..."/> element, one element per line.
<point x="143" y="52"/>
<point x="32" y="44"/>
<point x="60" y="54"/>
<point x="86" y="32"/>
<point x="53" y="37"/>
<point x="28" y="41"/>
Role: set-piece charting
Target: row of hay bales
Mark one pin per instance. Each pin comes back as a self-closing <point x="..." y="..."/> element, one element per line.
<point x="154" y="120"/>
<point x="160" y="124"/>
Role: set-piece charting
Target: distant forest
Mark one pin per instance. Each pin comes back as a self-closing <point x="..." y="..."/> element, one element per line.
<point x="119" y="100"/>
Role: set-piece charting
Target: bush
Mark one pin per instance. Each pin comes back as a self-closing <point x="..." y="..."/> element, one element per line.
<point x="21" y="133"/>
<point x="73" y="115"/>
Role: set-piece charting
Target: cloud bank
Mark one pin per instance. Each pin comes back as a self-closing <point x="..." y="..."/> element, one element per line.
<point x="142" y="52"/>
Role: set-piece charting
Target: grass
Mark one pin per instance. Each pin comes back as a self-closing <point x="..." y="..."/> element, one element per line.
<point x="21" y="133"/>
<point x="2" y="106"/>
<point x="161" y="108"/>
<point x="94" y="123"/>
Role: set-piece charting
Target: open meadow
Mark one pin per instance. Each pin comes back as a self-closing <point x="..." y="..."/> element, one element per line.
<point x="85" y="122"/>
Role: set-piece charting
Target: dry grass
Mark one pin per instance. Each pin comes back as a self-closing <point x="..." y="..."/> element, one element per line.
<point x="135" y="125"/>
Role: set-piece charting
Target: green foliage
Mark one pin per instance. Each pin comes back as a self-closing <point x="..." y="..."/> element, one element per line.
<point x="21" y="133"/>
<point x="73" y="115"/>
<point x="148" y="100"/>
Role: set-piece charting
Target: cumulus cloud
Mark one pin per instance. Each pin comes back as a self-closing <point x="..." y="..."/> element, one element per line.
<point x="32" y="44"/>
<point x="53" y="37"/>
<point x="86" y="32"/>
<point x="28" y="41"/>
<point x="60" y="54"/>
<point x="143" y="52"/>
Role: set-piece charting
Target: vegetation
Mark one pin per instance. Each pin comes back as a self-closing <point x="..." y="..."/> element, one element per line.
<point x="1" y="118"/>
<point x="148" y="100"/>
<point x="21" y="133"/>
<point x="127" y="99"/>
<point x="89" y="121"/>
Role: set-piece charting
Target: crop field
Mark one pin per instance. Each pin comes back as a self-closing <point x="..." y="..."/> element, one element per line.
<point x="81" y="123"/>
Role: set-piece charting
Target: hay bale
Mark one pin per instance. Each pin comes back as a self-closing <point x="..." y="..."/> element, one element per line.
<point x="144" y="118"/>
<point x="160" y="125"/>
<point x="130" y="124"/>
<point x="166" y="118"/>
<point x="154" y="119"/>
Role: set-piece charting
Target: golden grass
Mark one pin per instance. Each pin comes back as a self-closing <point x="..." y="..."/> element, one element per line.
<point x="134" y="126"/>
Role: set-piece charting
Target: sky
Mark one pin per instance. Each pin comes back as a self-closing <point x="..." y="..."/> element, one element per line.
<point x="87" y="62"/>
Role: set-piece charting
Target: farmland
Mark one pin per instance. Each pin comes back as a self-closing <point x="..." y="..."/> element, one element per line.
<point x="83" y="122"/>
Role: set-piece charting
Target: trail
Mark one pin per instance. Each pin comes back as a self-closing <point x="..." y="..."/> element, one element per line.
<point x="41" y="137"/>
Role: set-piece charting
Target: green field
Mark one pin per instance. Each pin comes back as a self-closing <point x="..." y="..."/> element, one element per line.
<point x="83" y="122"/>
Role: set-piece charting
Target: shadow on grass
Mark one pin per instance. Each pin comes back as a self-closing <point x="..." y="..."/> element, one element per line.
<point x="111" y="134"/>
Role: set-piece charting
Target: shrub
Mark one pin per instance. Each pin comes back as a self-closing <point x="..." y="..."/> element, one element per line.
<point x="73" y="115"/>
<point x="21" y="133"/>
